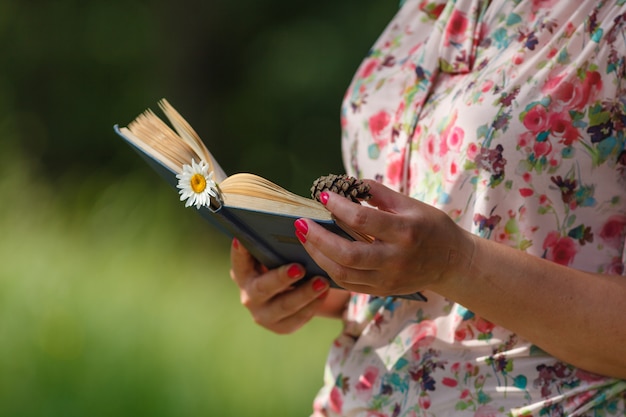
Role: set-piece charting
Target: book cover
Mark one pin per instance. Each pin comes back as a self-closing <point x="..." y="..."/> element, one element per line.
<point x="262" y="221"/>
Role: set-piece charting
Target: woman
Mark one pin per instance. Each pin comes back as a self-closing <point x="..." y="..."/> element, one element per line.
<point x="493" y="137"/>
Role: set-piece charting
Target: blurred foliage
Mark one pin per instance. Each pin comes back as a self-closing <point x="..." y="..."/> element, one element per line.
<point x="114" y="299"/>
<point x="261" y="81"/>
<point x="109" y="309"/>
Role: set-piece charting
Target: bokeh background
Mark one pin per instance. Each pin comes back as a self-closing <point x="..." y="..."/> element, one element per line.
<point x="114" y="299"/>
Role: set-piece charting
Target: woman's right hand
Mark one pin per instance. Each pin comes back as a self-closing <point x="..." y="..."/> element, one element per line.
<point x="272" y="298"/>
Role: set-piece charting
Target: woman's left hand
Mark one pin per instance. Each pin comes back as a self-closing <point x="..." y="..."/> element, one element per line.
<point x="416" y="246"/>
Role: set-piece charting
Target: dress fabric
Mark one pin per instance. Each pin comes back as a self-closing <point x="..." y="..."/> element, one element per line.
<point x="509" y="116"/>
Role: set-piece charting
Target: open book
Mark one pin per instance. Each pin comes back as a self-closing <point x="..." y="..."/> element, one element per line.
<point x="259" y="213"/>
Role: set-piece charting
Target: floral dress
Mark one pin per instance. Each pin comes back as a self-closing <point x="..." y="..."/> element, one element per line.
<point x="510" y="116"/>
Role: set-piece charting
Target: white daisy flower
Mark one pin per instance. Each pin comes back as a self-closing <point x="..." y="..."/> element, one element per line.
<point x="196" y="185"/>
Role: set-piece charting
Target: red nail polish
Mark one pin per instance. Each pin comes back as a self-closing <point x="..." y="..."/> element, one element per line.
<point x="301" y="226"/>
<point x="318" y="285"/>
<point x="324" y="198"/>
<point x="300" y="237"/>
<point x="294" y="271"/>
<point x="235" y="243"/>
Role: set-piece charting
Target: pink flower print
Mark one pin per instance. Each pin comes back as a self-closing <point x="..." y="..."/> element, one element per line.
<point x="472" y="151"/>
<point x="395" y="168"/>
<point x="452" y="171"/>
<point x="542" y="147"/>
<point x="432" y="8"/>
<point x="343" y="120"/>
<point x="487" y="85"/>
<point x="424" y="401"/>
<point x="423" y="333"/>
<point x="552" y="83"/>
<point x="368" y="67"/>
<point x="526" y="192"/>
<point x="336" y="400"/>
<point x="559" y="121"/>
<point x="485" y="327"/>
<point x="616" y="267"/>
<point x="524" y="140"/>
<point x="592" y="84"/>
<point x="536" y="118"/>
<point x="454" y="138"/>
<point x="613" y="232"/>
<point x="561" y="126"/>
<point x="565" y="93"/>
<point x="559" y="249"/>
<point x="572" y="94"/>
<point x="465" y="394"/>
<point x="431" y="144"/>
<point x="378" y="124"/>
<point x="366" y="382"/>
<point x="461" y="334"/>
<point x="456" y="27"/>
<point x="543" y="4"/>
<point x="449" y="382"/>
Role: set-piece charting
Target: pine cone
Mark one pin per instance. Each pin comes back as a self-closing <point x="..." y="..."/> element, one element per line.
<point x="344" y="185"/>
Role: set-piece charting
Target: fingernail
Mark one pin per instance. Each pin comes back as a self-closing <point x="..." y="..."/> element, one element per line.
<point x="294" y="271"/>
<point x="318" y="285"/>
<point x="235" y="243"/>
<point x="324" y="197"/>
<point x="301" y="230"/>
<point x="301" y="226"/>
<point x="300" y="237"/>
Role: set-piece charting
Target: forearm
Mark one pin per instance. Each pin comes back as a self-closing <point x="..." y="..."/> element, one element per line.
<point x="576" y="316"/>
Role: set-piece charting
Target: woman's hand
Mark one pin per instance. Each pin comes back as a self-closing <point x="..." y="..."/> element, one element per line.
<point x="415" y="246"/>
<point x="272" y="298"/>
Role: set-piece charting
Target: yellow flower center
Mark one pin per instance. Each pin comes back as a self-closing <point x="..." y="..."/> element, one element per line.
<point x="198" y="183"/>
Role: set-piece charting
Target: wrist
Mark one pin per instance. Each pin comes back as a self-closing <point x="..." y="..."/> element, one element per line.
<point x="461" y="257"/>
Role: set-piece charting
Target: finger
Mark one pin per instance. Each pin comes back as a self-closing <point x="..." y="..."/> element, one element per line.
<point x="293" y="322"/>
<point x="381" y="280"/>
<point x="371" y="221"/>
<point x="352" y="265"/>
<point x="257" y="283"/>
<point x="292" y="308"/>
<point x="274" y="282"/>
<point x="351" y="254"/>
<point x="243" y="266"/>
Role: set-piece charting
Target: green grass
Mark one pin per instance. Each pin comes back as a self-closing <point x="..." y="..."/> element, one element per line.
<point x="115" y="301"/>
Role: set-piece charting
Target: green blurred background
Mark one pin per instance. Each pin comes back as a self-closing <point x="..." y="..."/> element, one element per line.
<point x="114" y="299"/>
